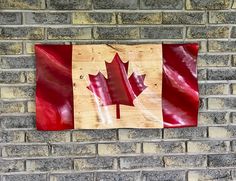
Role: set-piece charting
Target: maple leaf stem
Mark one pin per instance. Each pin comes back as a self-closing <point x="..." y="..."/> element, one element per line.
<point x="117" y="111"/>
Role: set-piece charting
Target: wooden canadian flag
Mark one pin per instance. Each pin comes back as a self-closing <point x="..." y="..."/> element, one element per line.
<point x="116" y="86"/>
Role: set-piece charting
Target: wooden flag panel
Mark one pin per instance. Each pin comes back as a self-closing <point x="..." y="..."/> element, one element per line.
<point x="89" y="113"/>
<point x="116" y="86"/>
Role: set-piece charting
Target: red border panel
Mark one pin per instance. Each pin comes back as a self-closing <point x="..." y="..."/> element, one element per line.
<point x="180" y="97"/>
<point x="54" y="92"/>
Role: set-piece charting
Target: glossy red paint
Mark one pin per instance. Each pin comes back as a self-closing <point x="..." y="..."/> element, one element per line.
<point x="54" y="93"/>
<point x="180" y="97"/>
<point x="54" y="89"/>
<point x="117" y="88"/>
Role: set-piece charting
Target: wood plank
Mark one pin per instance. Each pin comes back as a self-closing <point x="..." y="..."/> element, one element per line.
<point x="143" y="59"/>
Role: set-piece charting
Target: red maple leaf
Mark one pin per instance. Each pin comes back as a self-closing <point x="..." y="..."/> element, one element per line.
<point x="117" y="88"/>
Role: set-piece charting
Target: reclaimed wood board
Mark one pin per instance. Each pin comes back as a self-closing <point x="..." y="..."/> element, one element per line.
<point x="88" y="111"/>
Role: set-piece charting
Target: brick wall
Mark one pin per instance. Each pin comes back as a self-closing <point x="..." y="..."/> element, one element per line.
<point x="190" y="154"/>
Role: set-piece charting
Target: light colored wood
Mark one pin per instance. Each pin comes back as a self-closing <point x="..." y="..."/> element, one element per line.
<point x="101" y="53"/>
<point x="143" y="59"/>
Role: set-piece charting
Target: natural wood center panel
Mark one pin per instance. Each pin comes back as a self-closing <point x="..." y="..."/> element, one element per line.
<point x="143" y="59"/>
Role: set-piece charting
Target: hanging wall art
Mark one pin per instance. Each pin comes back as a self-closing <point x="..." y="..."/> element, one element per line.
<point x="116" y="86"/>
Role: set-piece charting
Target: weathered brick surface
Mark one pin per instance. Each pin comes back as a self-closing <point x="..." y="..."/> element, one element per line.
<point x="23" y="177"/>
<point x="222" y="74"/>
<point x="25" y="151"/>
<point x="163" y="175"/>
<point x="233" y="89"/>
<point x="98" y="163"/>
<point x="185" y="133"/>
<point x="208" y="146"/>
<point x="234" y="61"/>
<point x="93" y="18"/>
<point x="17" y="62"/>
<point x="94" y="135"/>
<point x="233" y="33"/>
<point x="213" y="60"/>
<point x="72" y="177"/>
<point x="233" y="117"/>
<point x="211" y="118"/>
<point x="141" y="162"/>
<point x="222" y="103"/>
<point x="222" y="46"/>
<point x="214" y="89"/>
<point x="161" y="4"/>
<point x="206" y="152"/>
<point x="29" y="48"/>
<point x="17" y="92"/>
<point x="8" y="18"/>
<point x="12" y="136"/>
<point x="208" y="4"/>
<point x="11" y="166"/>
<point x="31" y="108"/>
<point x="222" y="132"/>
<point x="161" y="33"/>
<point x="69" y="33"/>
<point x="234" y="5"/>
<point x="12" y="77"/>
<point x="202" y="74"/>
<point x="22" y="4"/>
<point x="115" y="33"/>
<point x="207" y="32"/>
<point x="69" y="5"/>
<point x="30" y="77"/>
<point x="234" y="145"/>
<point x="222" y="17"/>
<point x="210" y="175"/>
<point x="135" y="134"/>
<point x="183" y="18"/>
<point x="47" y="136"/>
<point x="225" y="160"/>
<point x="12" y="107"/>
<point x="163" y="147"/>
<point x="202" y="104"/>
<point x="186" y="161"/>
<point x="13" y="122"/>
<point x="107" y="176"/>
<point x="113" y="4"/>
<point x="49" y="164"/>
<point x="119" y="148"/>
<point x="73" y="149"/>
<point x="233" y="174"/>
<point x="22" y="33"/>
<point x="47" y="18"/>
<point x="10" y="48"/>
<point x="140" y="18"/>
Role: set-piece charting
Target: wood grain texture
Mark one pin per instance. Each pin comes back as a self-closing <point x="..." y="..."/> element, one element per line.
<point x="143" y="59"/>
